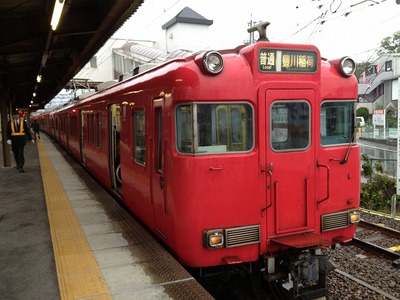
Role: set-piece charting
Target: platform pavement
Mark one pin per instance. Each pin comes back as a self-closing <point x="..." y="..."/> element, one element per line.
<point x="85" y="223"/>
<point x="27" y="267"/>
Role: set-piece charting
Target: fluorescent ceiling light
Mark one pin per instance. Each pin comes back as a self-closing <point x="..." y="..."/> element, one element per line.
<point x="58" y="8"/>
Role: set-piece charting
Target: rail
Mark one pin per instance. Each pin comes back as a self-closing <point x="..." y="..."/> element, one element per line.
<point x="369" y="244"/>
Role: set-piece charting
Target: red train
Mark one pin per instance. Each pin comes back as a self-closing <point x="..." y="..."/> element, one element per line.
<point x="237" y="158"/>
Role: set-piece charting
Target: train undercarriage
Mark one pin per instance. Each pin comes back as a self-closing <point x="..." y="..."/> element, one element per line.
<point x="301" y="277"/>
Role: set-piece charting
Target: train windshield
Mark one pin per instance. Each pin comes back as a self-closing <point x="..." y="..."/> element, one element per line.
<point x="290" y="125"/>
<point x="337" y="123"/>
<point x="214" y="128"/>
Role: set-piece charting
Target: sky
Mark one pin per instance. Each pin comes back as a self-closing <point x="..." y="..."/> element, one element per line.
<point x="338" y="28"/>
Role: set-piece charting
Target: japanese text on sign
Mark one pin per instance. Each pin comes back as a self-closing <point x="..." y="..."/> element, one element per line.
<point x="287" y="61"/>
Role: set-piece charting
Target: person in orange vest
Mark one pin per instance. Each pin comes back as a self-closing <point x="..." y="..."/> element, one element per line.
<point x="17" y="132"/>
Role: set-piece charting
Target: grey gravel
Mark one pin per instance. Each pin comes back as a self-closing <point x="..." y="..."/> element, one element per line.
<point x="375" y="271"/>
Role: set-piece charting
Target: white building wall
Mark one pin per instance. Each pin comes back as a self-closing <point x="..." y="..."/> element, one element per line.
<point x="104" y="70"/>
<point x="395" y="89"/>
<point x="192" y="37"/>
<point x="396" y="65"/>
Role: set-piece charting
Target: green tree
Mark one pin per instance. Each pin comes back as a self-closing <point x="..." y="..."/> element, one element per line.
<point x="390" y="44"/>
<point x="363" y="112"/>
<point x="391" y="117"/>
<point x="360" y="68"/>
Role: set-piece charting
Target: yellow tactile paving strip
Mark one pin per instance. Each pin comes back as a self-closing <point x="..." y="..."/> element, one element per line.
<point x="79" y="276"/>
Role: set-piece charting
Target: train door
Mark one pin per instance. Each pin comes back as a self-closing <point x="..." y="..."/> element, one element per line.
<point x="290" y="163"/>
<point x="82" y="137"/>
<point x="114" y="130"/>
<point x="158" y="170"/>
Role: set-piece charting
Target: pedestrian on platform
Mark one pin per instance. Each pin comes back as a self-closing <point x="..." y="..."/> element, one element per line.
<point x="36" y="130"/>
<point x="17" y="132"/>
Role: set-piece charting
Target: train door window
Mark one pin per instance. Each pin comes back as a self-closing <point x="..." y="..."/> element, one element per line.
<point x="159" y="139"/>
<point x="214" y="128"/>
<point x="89" y="130"/>
<point x="290" y="125"/>
<point x="114" y="147"/>
<point x="337" y="123"/>
<point x="139" y="136"/>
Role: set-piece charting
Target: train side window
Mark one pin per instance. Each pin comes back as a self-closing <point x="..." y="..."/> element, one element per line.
<point x="214" y="128"/>
<point x="290" y="125"/>
<point x="337" y="123"/>
<point x="184" y="129"/>
<point x="139" y="136"/>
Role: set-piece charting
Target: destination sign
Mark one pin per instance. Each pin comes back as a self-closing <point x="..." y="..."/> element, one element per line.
<point x="287" y="61"/>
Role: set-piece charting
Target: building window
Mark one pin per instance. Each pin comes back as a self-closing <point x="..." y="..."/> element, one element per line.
<point x="388" y="65"/>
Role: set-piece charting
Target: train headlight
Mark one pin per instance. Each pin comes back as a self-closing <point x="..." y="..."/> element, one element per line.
<point x="213" y="62"/>
<point x="354" y="216"/>
<point x="347" y="66"/>
<point x="214" y="238"/>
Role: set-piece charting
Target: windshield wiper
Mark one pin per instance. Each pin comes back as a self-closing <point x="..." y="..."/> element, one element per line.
<point x="346" y="157"/>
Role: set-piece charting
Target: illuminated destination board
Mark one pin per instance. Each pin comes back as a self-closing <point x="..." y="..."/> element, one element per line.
<point x="287" y="61"/>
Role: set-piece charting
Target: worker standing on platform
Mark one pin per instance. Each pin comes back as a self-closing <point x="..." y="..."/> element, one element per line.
<point x="36" y="130"/>
<point x="17" y="132"/>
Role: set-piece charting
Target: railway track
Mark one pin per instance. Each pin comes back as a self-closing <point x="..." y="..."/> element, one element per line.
<point x="368" y="268"/>
<point x="379" y="239"/>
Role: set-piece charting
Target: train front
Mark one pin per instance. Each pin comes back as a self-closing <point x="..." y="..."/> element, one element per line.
<point x="279" y="161"/>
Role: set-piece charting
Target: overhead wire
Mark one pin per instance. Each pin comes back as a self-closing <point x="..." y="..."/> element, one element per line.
<point x="334" y="14"/>
<point x="317" y="26"/>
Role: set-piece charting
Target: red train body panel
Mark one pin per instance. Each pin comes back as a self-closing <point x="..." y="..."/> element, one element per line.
<point x="245" y="165"/>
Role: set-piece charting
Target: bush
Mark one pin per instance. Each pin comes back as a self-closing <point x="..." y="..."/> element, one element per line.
<point x="363" y="112"/>
<point x="377" y="192"/>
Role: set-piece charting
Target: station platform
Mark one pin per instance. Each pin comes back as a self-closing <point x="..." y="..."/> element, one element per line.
<point x="62" y="236"/>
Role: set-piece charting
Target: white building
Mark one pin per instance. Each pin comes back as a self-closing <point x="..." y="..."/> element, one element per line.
<point x="187" y="30"/>
<point x="378" y="87"/>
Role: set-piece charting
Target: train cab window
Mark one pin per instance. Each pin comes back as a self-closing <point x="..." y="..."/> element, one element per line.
<point x="139" y="138"/>
<point x="214" y="128"/>
<point x="290" y="125"/>
<point x="337" y="123"/>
